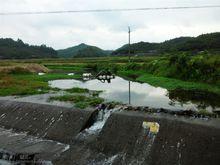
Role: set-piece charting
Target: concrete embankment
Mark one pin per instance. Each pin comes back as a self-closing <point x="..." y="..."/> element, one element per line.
<point x="46" y="121"/>
<point x="179" y="140"/>
<point x="122" y="140"/>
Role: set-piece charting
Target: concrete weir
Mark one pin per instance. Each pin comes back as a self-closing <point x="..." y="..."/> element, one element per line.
<point x="51" y="122"/>
<point x="70" y="136"/>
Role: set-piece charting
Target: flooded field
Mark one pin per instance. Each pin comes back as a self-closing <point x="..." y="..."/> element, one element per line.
<point x="142" y="94"/>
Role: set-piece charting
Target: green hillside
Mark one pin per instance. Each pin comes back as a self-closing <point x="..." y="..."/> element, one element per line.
<point x="82" y="50"/>
<point x="10" y="49"/>
<point x="203" y="42"/>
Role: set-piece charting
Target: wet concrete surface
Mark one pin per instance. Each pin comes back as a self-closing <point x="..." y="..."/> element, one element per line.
<point x="116" y="138"/>
<point x="46" y="121"/>
<point x="11" y="141"/>
<point x="179" y="141"/>
<point x="122" y="140"/>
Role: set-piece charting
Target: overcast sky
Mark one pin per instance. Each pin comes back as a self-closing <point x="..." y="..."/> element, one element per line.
<point x="105" y="30"/>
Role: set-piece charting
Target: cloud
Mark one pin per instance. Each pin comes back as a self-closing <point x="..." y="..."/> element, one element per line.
<point x="106" y="30"/>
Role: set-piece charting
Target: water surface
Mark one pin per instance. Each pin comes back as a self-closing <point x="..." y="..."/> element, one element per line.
<point x="142" y="94"/>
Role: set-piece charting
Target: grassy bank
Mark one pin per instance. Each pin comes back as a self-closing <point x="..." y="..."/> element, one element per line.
<point x="28" y="84"/>
<point x="179" y="70"/>
<point x="168" y="83"/>
<point x="21" y="77"/>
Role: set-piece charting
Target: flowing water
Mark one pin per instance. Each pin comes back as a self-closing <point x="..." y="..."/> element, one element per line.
<point x="98" y="124"/>
<point x="93" y="131"/>
<point x="145" y="140"/>
<point x="102" y="117"/>
<point x="142" y="94"/>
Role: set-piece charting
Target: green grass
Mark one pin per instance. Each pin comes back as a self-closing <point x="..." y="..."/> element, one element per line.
<point x="82" y="105"/>
<point x="93" y="93"/>
<point x="206" y="113"/>
<point x="77" y="90"/>
<point x="21" y="83"/>
<point x="28" y="84"/>
<point x="80" y="101"/>
<point x="66" y="67"/>
<point x="168" y="83"/>
<point x="200" y="67"/>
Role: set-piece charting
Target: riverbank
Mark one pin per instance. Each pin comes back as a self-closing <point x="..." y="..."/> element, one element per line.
<point x="168" y="83"/>
<point x="151" y="70"/>
<point x="29" y="83"/>
<point x="170" y="71"/>
<point x="25" y="84"/>
<point x="144" y="97"/>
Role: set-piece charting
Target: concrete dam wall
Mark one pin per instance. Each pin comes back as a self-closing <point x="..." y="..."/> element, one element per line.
<point x="119" y="137"/>
<point x="51" y="122"/>
<point x="177" y="142"/>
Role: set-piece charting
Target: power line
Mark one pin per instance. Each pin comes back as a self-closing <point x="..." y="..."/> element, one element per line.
<point x="108" y="10"/>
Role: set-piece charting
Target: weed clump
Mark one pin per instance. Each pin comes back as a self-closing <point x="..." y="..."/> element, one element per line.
<point x="77" y="90"/>
<point x="80" y="101"/>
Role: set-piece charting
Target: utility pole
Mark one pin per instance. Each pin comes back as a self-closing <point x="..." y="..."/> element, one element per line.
<point x="129" y="60"/>
<point x="129" y="43"/>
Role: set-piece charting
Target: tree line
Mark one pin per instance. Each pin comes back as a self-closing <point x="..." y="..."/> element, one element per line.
<point x="203" y="42"/>
<point x="10" y="49"/>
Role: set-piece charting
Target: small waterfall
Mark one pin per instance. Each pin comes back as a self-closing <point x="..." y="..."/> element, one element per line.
<point x="144" y="143"/>
<point x="102" y="117"/>
<point x="97" y="126"/>
<point x="92" y="131"/>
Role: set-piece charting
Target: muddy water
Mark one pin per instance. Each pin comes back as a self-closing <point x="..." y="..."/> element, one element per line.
<point x="142" y="94"/>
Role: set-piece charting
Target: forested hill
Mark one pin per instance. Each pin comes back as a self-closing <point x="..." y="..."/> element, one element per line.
<point x="82" y="50"/>
<point x="209" y="41"/>
<point x="10" y="49"/>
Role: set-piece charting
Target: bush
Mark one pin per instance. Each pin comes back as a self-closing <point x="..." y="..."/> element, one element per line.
<point x="133" y="66"/>
<point x="103" y="66"/>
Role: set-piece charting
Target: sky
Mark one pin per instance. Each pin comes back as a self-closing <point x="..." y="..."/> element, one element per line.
<point x="105" y="30"/>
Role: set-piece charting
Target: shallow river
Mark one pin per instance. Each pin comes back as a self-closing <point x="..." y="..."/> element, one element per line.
<point x="142" y="94"/>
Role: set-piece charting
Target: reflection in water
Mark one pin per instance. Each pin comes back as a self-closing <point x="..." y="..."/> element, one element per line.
<point x="141" y="94"/>
<point x="104" y="79"/>
<point x="129" y="92"/>
<point x="105" y="76"/>
<point x="203" y="99"/>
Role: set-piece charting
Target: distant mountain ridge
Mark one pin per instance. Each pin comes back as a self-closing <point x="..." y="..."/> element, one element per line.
<point x="82" y="50"/>
<point x="10" y="49"/>
<point x="210" y="41"/>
